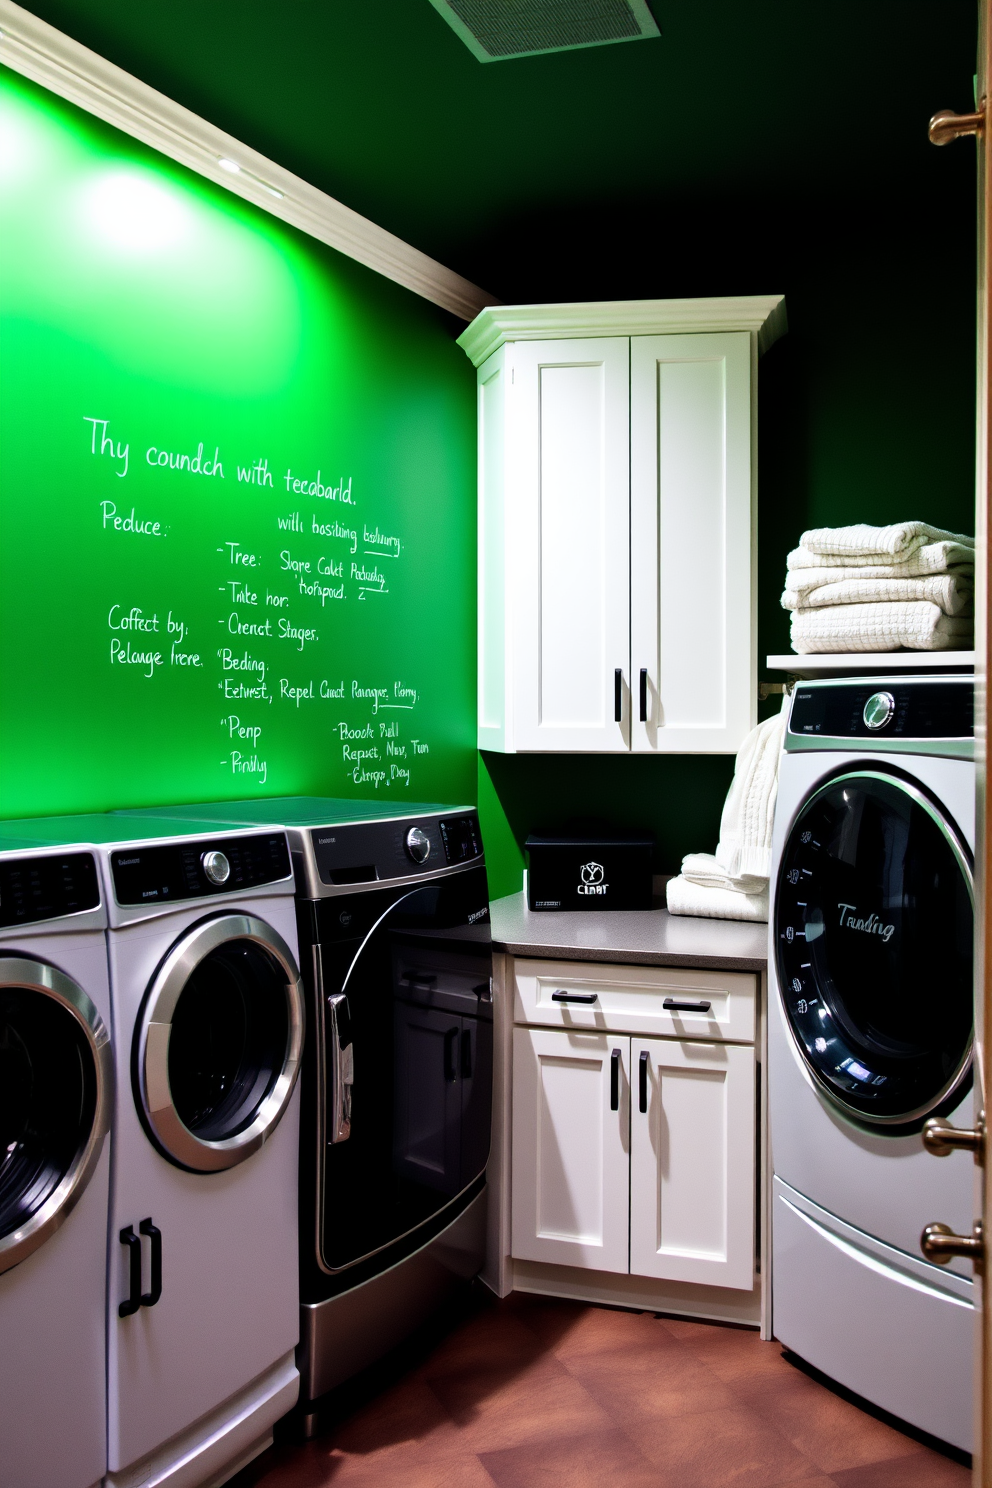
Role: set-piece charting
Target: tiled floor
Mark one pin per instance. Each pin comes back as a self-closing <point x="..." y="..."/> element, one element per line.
<point x="534" y="1393"/>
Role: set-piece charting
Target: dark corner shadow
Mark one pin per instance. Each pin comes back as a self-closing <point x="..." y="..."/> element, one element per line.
<point x="923" y="1437"/>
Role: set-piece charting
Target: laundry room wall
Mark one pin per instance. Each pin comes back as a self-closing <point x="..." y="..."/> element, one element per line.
<point x="237" y="475"/>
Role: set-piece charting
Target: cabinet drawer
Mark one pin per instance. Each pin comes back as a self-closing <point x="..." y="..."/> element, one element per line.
<point x="631" y="999"/>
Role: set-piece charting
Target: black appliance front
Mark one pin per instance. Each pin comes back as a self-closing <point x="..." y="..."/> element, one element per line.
<point x="398" y="1087"/>
<point x="874" y="921"/>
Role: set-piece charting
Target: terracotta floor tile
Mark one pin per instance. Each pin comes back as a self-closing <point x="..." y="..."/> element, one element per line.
<point x="494" y="1338"/>
<point x="721" y="1449"/>
<point x="831" y="1431"/>
<point x="737" y="1353"/>
<point x="641" y="1384"/>
<point x="927" y="1470"/>
<point x="596" y="1461"/>
<point x="406" y="1413"/>
<point x="492" y="1409"/>
<point x="604" y="1329"/>
<point x="408" y="1467"/>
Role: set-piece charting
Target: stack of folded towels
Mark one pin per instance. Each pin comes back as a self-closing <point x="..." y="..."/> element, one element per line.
<point x="732" y="883"/>
<point x="881" y="588"/>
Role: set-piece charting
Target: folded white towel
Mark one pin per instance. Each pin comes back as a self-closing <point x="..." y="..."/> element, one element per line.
<point x="917" y="625"/>
<point x="707" y="871"/>
<point x="894" y="543"/>
<point x="935" y="557"/>
<point x="685" y="898"/>
<point x="732" y="884"/>
<point x="954" y="593"/>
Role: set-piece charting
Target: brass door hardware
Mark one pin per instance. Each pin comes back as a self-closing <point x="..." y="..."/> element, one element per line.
<point x="940" y="1245"/>
<point x="947" y="125"/>
<point x="941" y="1138"/>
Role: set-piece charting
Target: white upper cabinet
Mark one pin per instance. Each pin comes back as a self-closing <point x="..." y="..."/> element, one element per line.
<point x="617" y="452"/>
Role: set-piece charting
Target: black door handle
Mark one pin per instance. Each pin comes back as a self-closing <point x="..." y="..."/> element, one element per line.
<point x="615" y="1080"/>
<point x="642" y="1080"/>
<point x="130" y="1239"/>
<point x="618" y="695"/>
<point x="466" y="1054"/>
<point x="148" y="1299"/>
<point x="644" y="694"/>
<point x="673" y="1005"/>
<point x="574" y="996"/>
<point x="450" y="1039"/>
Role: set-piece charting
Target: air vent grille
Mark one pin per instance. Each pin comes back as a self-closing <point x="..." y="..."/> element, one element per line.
<point x="496" y="30"/>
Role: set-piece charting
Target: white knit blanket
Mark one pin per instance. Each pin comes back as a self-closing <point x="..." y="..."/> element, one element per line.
<point x="685" y="898"/>
<point x="930" y="558"/>
<point x="812" y="588"/>
<point x="732" y="884"/>
<point x="917" y="625"/>
<point x="893" y="544"/>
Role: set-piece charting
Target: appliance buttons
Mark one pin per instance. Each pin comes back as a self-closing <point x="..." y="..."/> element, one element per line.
<point x="878" y="710"/>
<point x="418" y="845"/>
<point x="216" y="867"/>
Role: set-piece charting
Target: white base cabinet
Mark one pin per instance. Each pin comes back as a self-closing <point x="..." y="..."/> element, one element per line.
<point x="633" y="1154"/>
<point x="617" y="523"/>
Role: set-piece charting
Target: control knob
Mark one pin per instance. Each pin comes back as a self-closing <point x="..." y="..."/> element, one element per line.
<point x="418" y="845"/>
<point x="878" y="710"/>
<point x="216" y="867"/>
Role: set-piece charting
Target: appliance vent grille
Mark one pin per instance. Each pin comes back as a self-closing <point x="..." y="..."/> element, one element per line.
<point x="496" y="30"/>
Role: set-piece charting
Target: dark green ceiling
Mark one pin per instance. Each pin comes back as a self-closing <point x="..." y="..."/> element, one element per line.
<point x="534" y="173"/>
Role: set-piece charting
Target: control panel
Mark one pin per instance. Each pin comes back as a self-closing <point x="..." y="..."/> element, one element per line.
<point x="34" y="889"/>
<point x="903" y="708"/>
<point x="370" y="852"/>
<point x="199" y="868"/>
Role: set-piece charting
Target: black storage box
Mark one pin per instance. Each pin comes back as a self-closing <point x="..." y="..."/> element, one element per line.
<point x="592" y="871"/>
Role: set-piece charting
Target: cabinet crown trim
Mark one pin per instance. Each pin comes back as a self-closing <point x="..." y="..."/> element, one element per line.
<point x="763" y="315"/>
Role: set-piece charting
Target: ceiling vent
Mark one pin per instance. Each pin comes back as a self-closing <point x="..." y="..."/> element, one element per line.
<point x="496" y="30"/>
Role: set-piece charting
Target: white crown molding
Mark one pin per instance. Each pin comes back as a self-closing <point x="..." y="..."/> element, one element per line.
<point x="762" y="315"/>
<point x="46" y="56"/>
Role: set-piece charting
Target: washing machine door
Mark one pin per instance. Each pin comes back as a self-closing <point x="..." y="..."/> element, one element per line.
<point x="56" y="1094"/>
<point x="218" y="1041"/>
<point x="873" y="923"/>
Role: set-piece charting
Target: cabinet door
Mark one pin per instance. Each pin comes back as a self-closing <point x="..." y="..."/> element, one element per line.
<point x="568" y="485"/>
<point x="570" y="1162"/>
<point x="692" y="1162"/>
<point x="693" y="630"/>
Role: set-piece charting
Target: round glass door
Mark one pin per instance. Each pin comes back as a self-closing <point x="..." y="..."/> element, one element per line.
<point x="56" y="1078"/>
<point x="873" y="926"/>
<point x="218" y="1042"/>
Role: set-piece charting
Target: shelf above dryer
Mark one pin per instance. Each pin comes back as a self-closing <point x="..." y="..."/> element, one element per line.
<point x="839" y="664"/>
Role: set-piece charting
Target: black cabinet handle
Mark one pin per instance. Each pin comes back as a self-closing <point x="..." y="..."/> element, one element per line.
<point x="130" y="1239"/>
<point x="644" y="694"/>
<point x="618" y="695"/>
<point x="450" y="1039"/>
<point x="574" y="996"/>
<point x="148" y="1299"/>
<point x="466" y="1054"/>
<point x="615" y="1080"/>
<point x="673" y="1005"/>
<point x="642" y="1080"/>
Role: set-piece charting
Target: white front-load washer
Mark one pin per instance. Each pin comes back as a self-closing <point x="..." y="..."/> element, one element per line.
<point x="870" y="1033"/>
<point x="56" y="1097"/>
<point x="203" y="1301"/>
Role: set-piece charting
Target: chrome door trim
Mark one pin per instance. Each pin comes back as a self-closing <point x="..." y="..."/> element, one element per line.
<point x="38" y="976"/>
<point x="949" y="832"/>
<point x="153" y="1033"/>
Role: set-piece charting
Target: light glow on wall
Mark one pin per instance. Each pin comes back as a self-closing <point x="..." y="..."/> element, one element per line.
<point x="128" y="210"/>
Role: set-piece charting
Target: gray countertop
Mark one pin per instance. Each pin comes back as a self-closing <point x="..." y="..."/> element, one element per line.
<point x="641" y="937"/>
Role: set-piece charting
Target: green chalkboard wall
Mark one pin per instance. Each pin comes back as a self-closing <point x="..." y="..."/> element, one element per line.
<point x="238" y="496"/>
